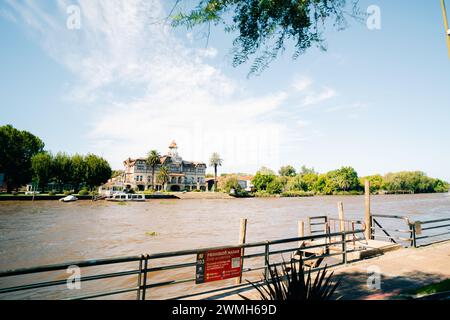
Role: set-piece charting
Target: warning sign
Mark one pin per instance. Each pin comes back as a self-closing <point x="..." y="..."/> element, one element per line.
<point x="218" y="265"/>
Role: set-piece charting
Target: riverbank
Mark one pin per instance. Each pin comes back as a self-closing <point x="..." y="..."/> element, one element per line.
<point x="177" y="195"/>
<point x="196" y="195"/>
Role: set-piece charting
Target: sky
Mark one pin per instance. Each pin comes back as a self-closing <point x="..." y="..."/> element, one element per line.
<point x="125" y="83"/>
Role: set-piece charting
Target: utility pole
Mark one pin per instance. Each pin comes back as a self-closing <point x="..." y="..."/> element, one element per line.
<point x="447" y="29"/>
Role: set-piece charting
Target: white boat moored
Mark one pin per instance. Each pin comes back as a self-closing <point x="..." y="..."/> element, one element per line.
<point x="69" y="199"/>
<point x="122" y="197"/>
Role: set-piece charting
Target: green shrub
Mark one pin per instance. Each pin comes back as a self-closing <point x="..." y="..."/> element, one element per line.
<point x="276" y="186"/>
<point x="67" y="193"/>
<point x="293" y="194"/>
<point x="296" y="283"/>
<point x="83" y="192"/>
<point x="263" y="194"/>
<point x="348" y="193"/>
<point x="52" y="193"/>
<point x="228" y="183"/>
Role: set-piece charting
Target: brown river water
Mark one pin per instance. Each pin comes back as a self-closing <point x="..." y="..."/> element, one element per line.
<point x="48" y="232"/>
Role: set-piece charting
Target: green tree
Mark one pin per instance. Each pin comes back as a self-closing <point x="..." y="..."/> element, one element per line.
<point x="62" y="169"/>
<point x="344" y="179"/>
<point x="230" y="182"/>
<point x="265" y="26"/>
<point x="276" y="186"/>
<point x="310" y="180"/>
<point x="215" y="161"/>
<point x="305" y="170"/>
<point x="153" y="159"/>
<point x="297" y="184"/>
<point x="79" y="171"/>
<point x="16" y="150"/>
<point x="409" y="181"/>
<point x="98" y="171"/>
<point x="376" y="182"/>
<point x="163" y="176"/>
<point x="441" y="186"/>
<point x="262" y="178"/>
<point x="42" y="166"/>
<point x="287" y="171"/>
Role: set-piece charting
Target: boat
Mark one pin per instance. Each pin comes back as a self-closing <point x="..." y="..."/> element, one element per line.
<point x="68" y="199"/>
<point x="123" y="197"/>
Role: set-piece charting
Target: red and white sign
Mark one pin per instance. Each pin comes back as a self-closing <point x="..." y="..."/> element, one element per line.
<point x="218" y="265"/>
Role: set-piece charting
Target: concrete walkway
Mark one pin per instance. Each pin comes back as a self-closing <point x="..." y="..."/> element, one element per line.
<point x="399" y="271"/>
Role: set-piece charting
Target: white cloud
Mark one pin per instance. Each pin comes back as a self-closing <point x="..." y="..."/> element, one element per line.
<point x="317" y="98"/>
<point x="146" y="88"/>
<point x="300" y="84"/>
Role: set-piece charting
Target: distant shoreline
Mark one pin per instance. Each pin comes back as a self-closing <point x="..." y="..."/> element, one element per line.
<point x="189" y="196"/>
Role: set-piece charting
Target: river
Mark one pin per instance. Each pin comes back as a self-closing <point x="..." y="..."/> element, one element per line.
<point x="47" y="232"/>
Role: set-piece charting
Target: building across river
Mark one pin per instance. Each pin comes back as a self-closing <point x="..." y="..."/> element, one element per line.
<point x="183" y="175"/>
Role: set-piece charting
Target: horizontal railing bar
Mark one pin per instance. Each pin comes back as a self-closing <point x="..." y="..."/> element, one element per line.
<point x="394" y="230"/>
<point x="317" y="224"/>
<point x="395" y="238"/>
<point x="173" y="266"/>
<point x="61" y="282"/>
<point x="433" y="235"/>
<point x="104" y="294"/>
<point x="434" y="221"/>
<point x="436" y="227"/>
<point x="390" y="217"/>
<point x="63" y="266"/>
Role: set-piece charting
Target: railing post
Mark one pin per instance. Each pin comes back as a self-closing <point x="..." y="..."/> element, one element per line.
<point x="301" y="232"/>
<point x="266" y="262"/>
<point x="138" y="295"/>
<point x="242" y="239"/>
<point x="412" y="227"/>
<point x="368" y="219"/>
<point x="353" y="232"/>
<point x="344" y="248"/>
<point x="144" y="284"/>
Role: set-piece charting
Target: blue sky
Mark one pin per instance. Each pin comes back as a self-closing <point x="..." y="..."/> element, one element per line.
<point x="377" y="100"/>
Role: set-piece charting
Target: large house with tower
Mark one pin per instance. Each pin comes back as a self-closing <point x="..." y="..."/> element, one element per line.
<point x="183" y="175"/>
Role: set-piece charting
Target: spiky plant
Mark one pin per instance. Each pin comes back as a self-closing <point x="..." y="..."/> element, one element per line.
<point x="294" y="283"/>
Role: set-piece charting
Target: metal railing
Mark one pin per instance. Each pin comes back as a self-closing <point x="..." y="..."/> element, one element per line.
<point x="408" y="232"/>
<point x="147" y="265"/>
<point x="399" y="230"/>
<point x="426" y="230"/>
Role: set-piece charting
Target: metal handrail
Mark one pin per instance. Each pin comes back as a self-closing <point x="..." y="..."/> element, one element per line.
<point x="412" y="225"/>
<point x="144" y="268"/>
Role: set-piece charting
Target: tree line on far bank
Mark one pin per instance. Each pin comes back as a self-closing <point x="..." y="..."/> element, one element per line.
<point x="308" y="182"/>
<point x="24" y="160"/>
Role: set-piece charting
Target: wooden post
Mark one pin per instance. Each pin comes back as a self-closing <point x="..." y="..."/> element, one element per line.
<point x="368" y="218"/>
<point x="301" y="232"/>
<point x="341" y="216"/>
<point x="242" y="238"/>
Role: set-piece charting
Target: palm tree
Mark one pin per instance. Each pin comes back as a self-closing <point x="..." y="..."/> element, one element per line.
<point x="163" y="176"/>
<point x="153" y="159"/>
<point x="215" y="161"/>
